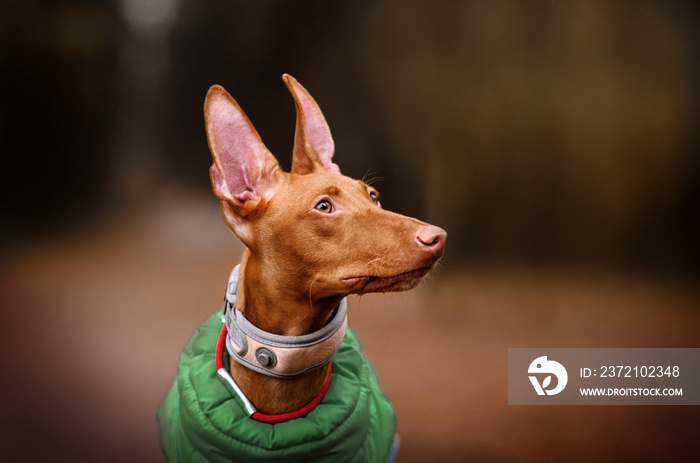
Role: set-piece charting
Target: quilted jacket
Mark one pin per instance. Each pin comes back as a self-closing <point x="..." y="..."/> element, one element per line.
<point x="200" y="421"/>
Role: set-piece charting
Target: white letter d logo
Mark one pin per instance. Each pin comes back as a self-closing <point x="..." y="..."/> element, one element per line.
<point x="542" y="365"/>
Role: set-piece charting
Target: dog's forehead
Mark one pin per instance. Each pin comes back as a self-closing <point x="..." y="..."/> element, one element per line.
<point x="324" y="183"/>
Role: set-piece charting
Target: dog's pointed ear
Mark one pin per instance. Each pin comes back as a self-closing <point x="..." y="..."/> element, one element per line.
<point x="313" y="143"/>
<point x="244" y="171"/>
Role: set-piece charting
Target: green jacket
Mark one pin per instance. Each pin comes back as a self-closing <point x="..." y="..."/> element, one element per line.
<point x="200" y="421"/>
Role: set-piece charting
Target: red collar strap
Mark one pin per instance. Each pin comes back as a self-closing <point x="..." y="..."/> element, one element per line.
<point x="224" y="375"/>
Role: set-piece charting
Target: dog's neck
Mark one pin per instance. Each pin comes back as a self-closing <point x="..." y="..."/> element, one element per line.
<point x="276" y="305"/>
<point x="268" y="304"/>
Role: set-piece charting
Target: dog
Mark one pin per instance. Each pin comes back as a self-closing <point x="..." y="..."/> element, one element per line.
<point x="276" y="374"/>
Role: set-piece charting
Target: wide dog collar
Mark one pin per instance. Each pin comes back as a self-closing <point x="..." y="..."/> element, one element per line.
<point x="276" y="355"/>
<point x="232" y="386"/>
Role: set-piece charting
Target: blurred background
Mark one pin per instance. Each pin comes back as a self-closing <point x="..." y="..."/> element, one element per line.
<point x="557" y="143"/>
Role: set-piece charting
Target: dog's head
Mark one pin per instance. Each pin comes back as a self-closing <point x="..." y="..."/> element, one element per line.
<point x="318" y="228"/>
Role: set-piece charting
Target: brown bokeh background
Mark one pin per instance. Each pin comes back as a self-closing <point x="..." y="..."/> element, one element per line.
<point x="556" y="142"/>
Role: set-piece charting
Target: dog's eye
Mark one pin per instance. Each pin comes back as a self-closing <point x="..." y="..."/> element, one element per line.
<point x="324" y="206"/>
<point x="374" y="196"/>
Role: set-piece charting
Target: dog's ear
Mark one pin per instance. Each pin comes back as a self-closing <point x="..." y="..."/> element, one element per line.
<point x="313" y="143"/>
<point x="243" y="170"/>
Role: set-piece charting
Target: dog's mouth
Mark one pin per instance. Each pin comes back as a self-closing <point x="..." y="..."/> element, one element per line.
<point x="397" y="282"/>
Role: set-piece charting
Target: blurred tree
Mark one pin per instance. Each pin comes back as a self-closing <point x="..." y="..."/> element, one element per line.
<point x="533" y="132"/>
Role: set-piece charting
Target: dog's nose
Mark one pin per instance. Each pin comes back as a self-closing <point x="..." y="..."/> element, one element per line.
<point x="432" y="238"/>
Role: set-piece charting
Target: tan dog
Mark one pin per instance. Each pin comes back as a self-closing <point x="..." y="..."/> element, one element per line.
<point x="313" y="236"/>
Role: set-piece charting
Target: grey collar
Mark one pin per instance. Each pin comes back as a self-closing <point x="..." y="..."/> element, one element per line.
<point x="276" y="355"/>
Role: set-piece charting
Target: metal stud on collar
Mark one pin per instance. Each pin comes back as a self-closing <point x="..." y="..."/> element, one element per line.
<point x="266" y="357"/>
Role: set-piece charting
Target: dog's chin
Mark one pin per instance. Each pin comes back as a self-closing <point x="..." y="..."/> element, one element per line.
<point x="384" y="284"/>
